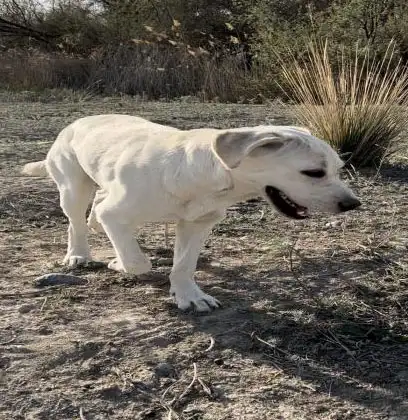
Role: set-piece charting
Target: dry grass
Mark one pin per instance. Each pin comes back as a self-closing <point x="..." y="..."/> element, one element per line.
<point x="356" y="103"/>
<point x="149" y="71"/>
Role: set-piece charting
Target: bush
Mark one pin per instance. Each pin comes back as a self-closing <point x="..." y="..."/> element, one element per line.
<point x="356" y="103"/>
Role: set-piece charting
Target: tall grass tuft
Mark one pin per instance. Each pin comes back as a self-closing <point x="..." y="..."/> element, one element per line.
<point x="356" y="103"/>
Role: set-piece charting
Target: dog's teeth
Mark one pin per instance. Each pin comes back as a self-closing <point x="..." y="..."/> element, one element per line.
<point x="289" y="202"/>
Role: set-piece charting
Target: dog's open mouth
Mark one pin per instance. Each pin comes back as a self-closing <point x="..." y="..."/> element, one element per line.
<point x="284" y="204"/>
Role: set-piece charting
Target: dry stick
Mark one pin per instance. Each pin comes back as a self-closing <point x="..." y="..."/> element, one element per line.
<point x="32" y="293"/>
<point x="211" y="346"/>
<point x="168" y="389"/>
<point x="81" y="413"/>
<point x="44" y="303"/>
<point x="280" y="370"/>
<point x="261" y="216"/>
<point x="334" y="339"/>
<point x="171" y="412"/>
<point x="271" y="345"/>
<point x="373" y="309"/>
<point x="193" y="381"/>
<point x="168" y="406"/>
<point x="205" y="387"/>
<point x="308" y="386"/>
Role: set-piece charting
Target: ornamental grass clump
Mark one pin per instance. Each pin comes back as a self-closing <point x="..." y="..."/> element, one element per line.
<point x="356" y="103"/>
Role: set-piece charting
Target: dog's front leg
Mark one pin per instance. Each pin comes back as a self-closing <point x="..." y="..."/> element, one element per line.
<point x="117" y="218"/>
<point x="190" y="237"/>
<point x="93" y="223"/>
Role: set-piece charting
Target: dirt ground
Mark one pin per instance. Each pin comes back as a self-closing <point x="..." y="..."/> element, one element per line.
<point x="314" y="323"/>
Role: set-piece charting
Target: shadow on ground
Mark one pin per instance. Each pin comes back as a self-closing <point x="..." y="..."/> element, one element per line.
<point x="324" y="330"/>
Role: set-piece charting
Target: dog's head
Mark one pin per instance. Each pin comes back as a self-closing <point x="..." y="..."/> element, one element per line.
<point x="294" y="170"/>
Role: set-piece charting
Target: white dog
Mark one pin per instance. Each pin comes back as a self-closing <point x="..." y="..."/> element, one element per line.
<point x="146" y="172"/>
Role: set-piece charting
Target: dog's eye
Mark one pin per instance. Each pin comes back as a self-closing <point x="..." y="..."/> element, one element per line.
<point x="314" y="173"/>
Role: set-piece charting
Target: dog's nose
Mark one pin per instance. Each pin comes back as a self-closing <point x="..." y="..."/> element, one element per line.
<point x="349" y="204"/>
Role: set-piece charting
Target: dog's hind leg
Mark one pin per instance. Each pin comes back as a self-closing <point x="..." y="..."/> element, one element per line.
<point x="76" y="191"/>
<point x="190" y="237"/>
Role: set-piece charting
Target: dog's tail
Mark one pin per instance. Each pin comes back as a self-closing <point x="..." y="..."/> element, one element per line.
<point x="35" y="169"/>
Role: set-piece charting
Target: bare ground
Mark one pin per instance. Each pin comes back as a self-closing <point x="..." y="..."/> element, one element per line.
<point x="314" y="323"/>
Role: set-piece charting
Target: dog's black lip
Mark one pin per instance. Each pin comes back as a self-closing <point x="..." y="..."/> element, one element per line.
<point x="275" y="196"/>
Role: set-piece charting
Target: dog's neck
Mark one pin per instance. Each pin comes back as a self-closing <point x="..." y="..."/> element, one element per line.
<point x="218" y="201"/>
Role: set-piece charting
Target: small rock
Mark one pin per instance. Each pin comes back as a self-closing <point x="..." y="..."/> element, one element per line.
<point x="165" y="370"/>
<point x="58" y="279"/>
<point x="111" y="392"/>
<point x="164" y="252"/>
<point x="5" y="362"/>
<point x="215" y="264"/>
<point x="150" y="413"/>
<point x="333" y="224"/>
<point x="44" y="330"/>
<point x="23" y="309"/>
<point x="165" y="261"/>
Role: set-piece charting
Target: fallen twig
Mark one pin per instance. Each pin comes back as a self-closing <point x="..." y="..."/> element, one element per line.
<point x="261" y="216"/>
<point x="30" y="293"/>
<point x="335" y="340"/>
<point x="193" y="381"/>
<point x="211" y="346"/>
<point x="205" y="387"/>
<point x="81" y="414"/>
<point x="167" y="390"/>
<point x="44" y="303"/>
<point x="196" y="378"/>
<point x="271" y="345"/>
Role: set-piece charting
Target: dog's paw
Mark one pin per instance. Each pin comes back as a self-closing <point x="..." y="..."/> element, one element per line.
<point x="189" y="295"/>
<point x="73" y="261"/>
<point x="137" y="269"/>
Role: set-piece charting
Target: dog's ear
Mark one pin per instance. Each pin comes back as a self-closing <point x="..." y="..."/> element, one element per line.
<point x="231" y="147"/>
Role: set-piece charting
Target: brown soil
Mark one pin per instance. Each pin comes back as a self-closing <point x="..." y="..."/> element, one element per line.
<point x="314" y="323"/>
